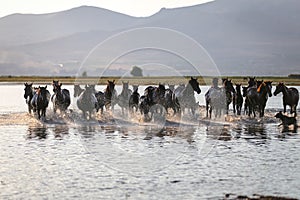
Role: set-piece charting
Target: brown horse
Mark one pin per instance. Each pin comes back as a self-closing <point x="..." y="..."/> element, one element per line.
<point x="290" y="97"/>
<point x="257" y="97"/>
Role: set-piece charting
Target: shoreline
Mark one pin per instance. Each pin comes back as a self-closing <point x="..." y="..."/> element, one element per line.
<point x="205" y="80"/>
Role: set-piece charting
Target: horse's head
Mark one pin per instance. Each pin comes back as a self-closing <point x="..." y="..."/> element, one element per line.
<point x="171" y="87"/>
<point x="125" y="85"/>
<point x="77" y="90"/>
<point x="56" y="86"/>
<point x="251" y="81"/>
<point x="228" y="86"/>
<point x="279" y="88"/>
<point x="195" y="85"/>
<point x="135" y="88"/>
<point x="269" y="87"/>
<point x="42" y="91"/>
<point x="28" y="90"/>
<point x="161" y="88"/>
<point x="111" y="85"/>
<point x="215" y="82"/>
<point x="238" y="86"/>
<point x="265" y="86"/>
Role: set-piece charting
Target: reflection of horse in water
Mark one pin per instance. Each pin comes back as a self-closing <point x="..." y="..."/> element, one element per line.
<point x="186" y="96"/>
<point x="40" y="101"/>
<point x="290" y="97"/>
<point x="37" y="131"/>
<point x="87" y="101"/>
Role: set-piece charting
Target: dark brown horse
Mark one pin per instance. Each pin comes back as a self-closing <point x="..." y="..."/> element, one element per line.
<point x="40" y="101"/>
<point x="110" y="95"/>
<point x="257" y="97"/>
<point x="290" y="97"/>
<point x="29" y="92"/>
<point x="186" y="95"/>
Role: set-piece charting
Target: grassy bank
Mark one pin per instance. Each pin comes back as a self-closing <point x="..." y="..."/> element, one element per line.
<point x="136" y="80"/>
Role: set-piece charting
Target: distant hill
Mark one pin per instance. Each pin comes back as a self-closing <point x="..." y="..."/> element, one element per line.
<point x="257" y="37"/>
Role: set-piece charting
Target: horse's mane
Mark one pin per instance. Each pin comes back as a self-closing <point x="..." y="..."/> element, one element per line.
<point x="259" y="88"/>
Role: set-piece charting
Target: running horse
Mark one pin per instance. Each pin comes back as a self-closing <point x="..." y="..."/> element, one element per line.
<point x="87" y="101"/>
<point x="290" y="97"/>
<point x="123" y="98"/>
<point x="257" y="97"/>
<point x="29" y="92"/>
<point x="110" y="95"/>
<point x="230" y="94"/>
<point x="186" y="96"/>
<point x="61" y="97"/>
<point x="40" y="101"/>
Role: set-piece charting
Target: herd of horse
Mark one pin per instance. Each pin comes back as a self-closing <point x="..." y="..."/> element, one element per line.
<point x="162" y="100"/>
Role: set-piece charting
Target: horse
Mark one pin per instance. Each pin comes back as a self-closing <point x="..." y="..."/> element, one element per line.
<point x="29" y="92"/>
<point x="110" y="95"/>
<point x="170" y="101"/>
<point x="87" y="101"/>
<point x="290" y="97"/>
<point x="134" y="99"/>
<point x="230" y="94"/>
<point x="153" y="100"/>
<point x="61" y="97"/>
<point x="40" y="101"/>
<point x="238" y="99"/>
<point x="77" y="90"/>
<point x="215" y="99"/>
<point x="123" y="98"/>
<point x="257" y="97"/>
<point x="186" y="97"/>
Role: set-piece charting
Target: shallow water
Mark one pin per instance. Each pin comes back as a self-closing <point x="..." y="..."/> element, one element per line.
<point x="119" y="158"/>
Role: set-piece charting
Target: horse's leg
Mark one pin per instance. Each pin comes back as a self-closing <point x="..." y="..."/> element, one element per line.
<point x="39" y="114"/>
<point x="284" y="107"/>
<point x="207" y="110"/>
<point x="233" y="104"/>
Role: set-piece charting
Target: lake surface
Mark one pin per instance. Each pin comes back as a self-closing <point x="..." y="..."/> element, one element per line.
<point x="124" y="158"/>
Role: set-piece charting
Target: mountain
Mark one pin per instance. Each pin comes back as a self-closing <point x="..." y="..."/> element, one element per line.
<point x="257" y="37"/>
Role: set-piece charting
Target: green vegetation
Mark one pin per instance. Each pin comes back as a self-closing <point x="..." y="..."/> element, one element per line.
<point x="137" y="80"/>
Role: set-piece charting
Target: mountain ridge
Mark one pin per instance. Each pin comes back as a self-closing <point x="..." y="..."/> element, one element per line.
<point x="242" y="37"/>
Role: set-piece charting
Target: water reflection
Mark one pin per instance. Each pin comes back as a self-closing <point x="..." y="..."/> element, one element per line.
<point x="60" y="131"/>
<point x="256" y="133"/>
<point x="37" y="131"/>
<point x="219" y="132"/>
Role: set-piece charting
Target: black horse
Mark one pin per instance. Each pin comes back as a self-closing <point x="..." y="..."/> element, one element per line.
<point x="29" y="92"/>
<point x="170" y="101"/>
<point x="238" y="99"/>
<point x="40" y="101"/>
<point x="123" y="98"/>
<point x="134" y="99"/>
<point x="61" y="97"/>
<point x="186" y="96"/>
<point x="110" y="95"/>
<point x="257" y="97"/>
<point x="230" y="94"/>
<point x="290" y="97"/>
<point x="152" y="101"/>
<point x="77" y="90"/>
<point x="87" y="101"/>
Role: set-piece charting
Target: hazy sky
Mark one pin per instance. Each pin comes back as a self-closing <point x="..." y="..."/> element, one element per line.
<point x="130" y="7"/>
